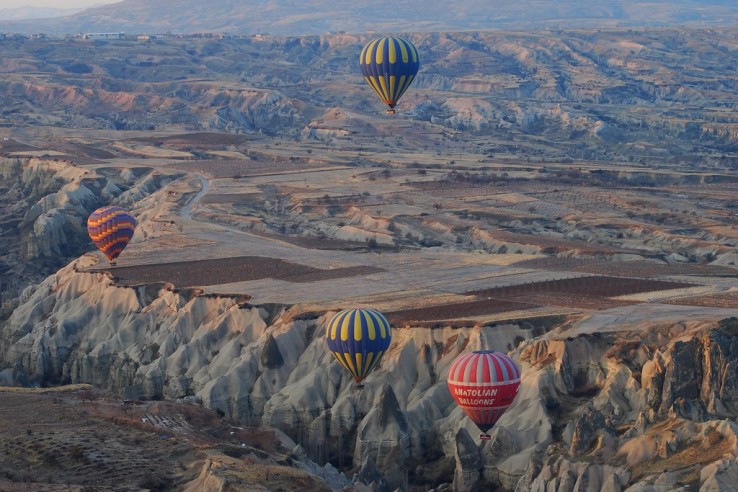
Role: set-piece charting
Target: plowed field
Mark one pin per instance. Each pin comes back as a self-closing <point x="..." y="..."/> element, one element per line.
<point x="585" y="293"/>
<point x="625" y="268"/>
<point x="227" y="270"/>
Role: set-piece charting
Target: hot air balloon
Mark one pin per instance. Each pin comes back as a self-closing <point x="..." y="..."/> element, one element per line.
<point x="358" y="338"/>
<point x="111" y="228"/>
<point x="389" y="66"/>
<point x="484" y="383"/>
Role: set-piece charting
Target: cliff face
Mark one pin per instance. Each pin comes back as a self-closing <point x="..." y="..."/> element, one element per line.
<point x="696" y="378"/>
<point x="150" y="342"/>
<point x="45" y="204"/>
<point x="42" y="210"/>
<point x="593" y="95"/>
<point x="601" y="410"/>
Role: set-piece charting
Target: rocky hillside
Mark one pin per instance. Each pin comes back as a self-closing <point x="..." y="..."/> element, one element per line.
<point x="605" y="407"/>
<point x="25" y="13"/>
<point x="45" y="204"/>
<point x="503" y="168"/>
<point x="316" y="17"/>
<point x="614" y="96"/>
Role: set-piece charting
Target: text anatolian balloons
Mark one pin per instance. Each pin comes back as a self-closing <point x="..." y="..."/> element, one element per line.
<point x="484" y="383"/>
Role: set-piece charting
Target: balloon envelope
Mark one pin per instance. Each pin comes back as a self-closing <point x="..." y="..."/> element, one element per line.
<point x="358" y="338"/>
<point x="389" y="66"/>
<point x="111" y="228"/>
<point x="484" y="384"/>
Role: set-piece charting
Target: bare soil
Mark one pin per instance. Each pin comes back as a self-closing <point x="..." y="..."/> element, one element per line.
<point x="726" y="300"/>
<point x="456" y="311"/>
<point x="79" y="150"/>
<point x="228" y="270"/>
<point x="582" y="293"/>
<point x="591" y="286"/>
<point x="89" y="440"/>
<point x="325" y="243"/>
<point x="9" y="146"/>
<point x="241" y="168"/>
<point x="201" y="139"/>
<point x="554" y="245"/>
<point x="625" y="268"/>
<point x="63" y="440"/>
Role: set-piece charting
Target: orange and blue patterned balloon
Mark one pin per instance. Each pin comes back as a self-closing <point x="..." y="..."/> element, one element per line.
<point x="111" y="228"/>
<point x="389" y="65"/>
<point x="358" y="338"/>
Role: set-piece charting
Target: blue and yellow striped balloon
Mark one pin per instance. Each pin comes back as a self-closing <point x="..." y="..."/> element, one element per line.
<point x="111" y="228"/>
<point x="389" y="66"/>
<point x="358" y="338"/>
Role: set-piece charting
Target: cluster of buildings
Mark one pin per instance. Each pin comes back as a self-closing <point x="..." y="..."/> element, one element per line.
<point x="146" y="37"/>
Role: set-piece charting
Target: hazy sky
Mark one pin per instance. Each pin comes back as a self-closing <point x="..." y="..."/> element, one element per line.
<point x="62" y="4"/>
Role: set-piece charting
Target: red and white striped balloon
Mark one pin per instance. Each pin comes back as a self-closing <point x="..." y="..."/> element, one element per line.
<point x="484" y="384"/>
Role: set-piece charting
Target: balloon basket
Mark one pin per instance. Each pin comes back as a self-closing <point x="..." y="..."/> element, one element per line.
<point x="485" y="437"/>
<point x="112" y="263"/>
<point x="359" y="387"/>
<point x="390" y="111"/>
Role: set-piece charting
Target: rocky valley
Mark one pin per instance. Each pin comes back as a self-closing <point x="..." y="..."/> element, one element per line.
<point x="565" y="197"/>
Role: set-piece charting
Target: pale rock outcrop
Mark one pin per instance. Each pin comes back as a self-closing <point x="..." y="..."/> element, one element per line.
<point x="482" y="239"/>
<point x="682" y="365"/>
<point x="265" y="366"/>
<point x="616" y="481"/>
<point x="240" y="110"/>
<point x="383" y="435"/>
<point x="57" y="221"/>
<point x="468" y="462"/>
<point x="586" y="429"/>
<point x="370" y="475"/>
<point x="729" y="258"/>
<point x="720" y="476"/>
<point x="335" y="479"/>
<point x="561" y="474"/>
<point x="665" y="481"/>
<point x="48" y="202"/>
<point x="502" y="445"/>
<point x="641" y="424"/>
<point x="694" y="377"/>
<point x="575" y="362"/>
<point x="206" y="481"/>
<point x="152" y="342"/>
<point x="605" y="447"/>
<point x="621" y="395"/>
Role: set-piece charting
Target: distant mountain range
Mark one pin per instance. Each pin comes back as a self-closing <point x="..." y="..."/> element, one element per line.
<point x="27" y="13"/>
<point x="291" y="17"/>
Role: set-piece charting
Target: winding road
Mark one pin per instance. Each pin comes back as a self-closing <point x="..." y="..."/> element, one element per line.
<point x="187" y="209"/>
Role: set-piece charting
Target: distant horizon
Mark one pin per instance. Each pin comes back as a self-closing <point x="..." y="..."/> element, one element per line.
<point x="57" y="4"/>
<point x="316" y="17"/>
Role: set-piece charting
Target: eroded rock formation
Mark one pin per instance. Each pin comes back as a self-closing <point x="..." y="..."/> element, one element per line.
<point x="652" y="397"/>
